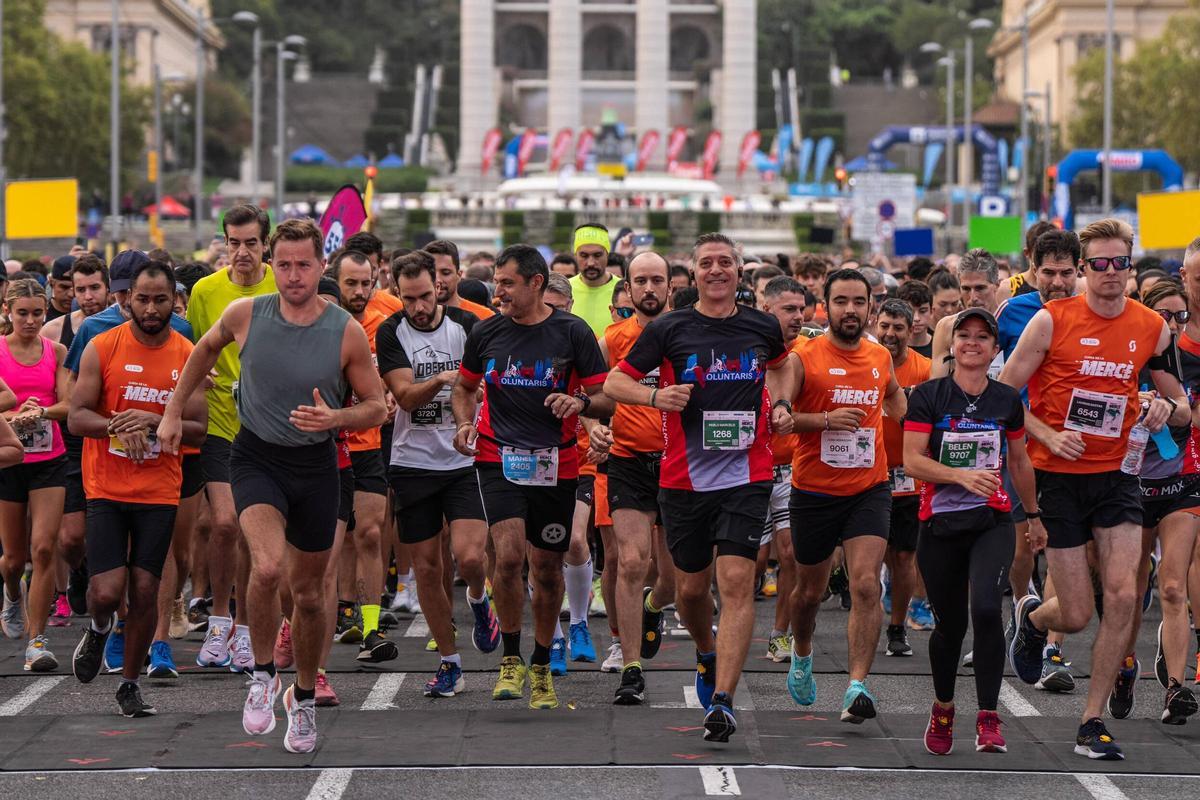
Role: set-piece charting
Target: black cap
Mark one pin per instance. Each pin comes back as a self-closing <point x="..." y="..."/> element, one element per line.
<point x="120" y="271"/>
<point x="980" y="314"/>
<point x="61" y="269"/>
<point x="329" y="287"/>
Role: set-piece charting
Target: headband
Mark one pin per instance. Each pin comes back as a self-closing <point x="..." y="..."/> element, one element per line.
<point x="591" y="235"/>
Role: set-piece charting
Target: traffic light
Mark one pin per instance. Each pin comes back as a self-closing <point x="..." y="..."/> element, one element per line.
<point x="839" y="175"/>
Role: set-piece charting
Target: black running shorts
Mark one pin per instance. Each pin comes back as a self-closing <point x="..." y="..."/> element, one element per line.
<point x="820" y="522"/>
<point x="1073" y="505"/>
<point x="731" y="520"/>
<point x="426" y="498"/>
<point x="17" y="481"/>
<point x="585" y="490"/>
<point x="214" y="459"/>
<point x="905" y="525"/>
<point x="193" y="475"/>
<point x="1160" y="498"/>
<point x="547" y="510"/>
<point x="76" y="502"/>
<point x="369" y="474"/>
<point x="346" y="495"/>
<point x="121" y="535"/>
<point x="633" y="482"/>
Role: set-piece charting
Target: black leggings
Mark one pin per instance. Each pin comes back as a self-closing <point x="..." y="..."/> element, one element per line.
<point x="964" y="556"/>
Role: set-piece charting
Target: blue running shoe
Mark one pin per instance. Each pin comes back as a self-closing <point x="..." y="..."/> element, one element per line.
<point x="719" y="723"/>
<point x="800" y="683"/>
<point x="706" y="677"/>
<point x="162" y="665"/>
<point x="114" y="649"/>
<point x="447" y="682"/>
<point x="858" y="704"/>
<point x="582" y="648"/>
<point x="1025" y="649"/>
<point x="920" y="615"/>
<point x="558" y="657"/>
<point x="486" y="636"/>
<point x="885" y="594"/>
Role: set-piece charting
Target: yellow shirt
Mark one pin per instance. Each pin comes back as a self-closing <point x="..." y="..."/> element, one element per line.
<point x="591" y="302"/>
<point x="210" y="297"/>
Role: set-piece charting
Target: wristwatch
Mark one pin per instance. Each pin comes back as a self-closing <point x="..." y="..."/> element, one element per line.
<point x="586" y="400"/>
<point x="1033" y="515"/>
<point x="786" y="404"/>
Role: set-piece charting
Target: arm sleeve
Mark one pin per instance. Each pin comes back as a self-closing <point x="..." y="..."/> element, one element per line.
<point x="388" y="350"/>
<point x="919" y="417"/>
<point x="589" y="364"/>
<point x="647" y="351"/>
<point x="472" y="360"/>
<point x="776" y="349"/>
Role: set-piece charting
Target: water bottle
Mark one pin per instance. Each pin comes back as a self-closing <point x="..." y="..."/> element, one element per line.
<point x="1135" y="453"/>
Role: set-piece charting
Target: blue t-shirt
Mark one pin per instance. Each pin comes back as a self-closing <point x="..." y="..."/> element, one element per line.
<point x="106" y="320"/>
<point x="1014" y="317"/>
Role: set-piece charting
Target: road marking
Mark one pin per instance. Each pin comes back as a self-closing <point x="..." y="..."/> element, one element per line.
<point x="330" y="784"/>
<point x="690" y="698"/>
<point x="29" y="695"/>
<point x="1014" y="702"/>
<point x="1100" y="787"/>
<point x="418" y="627"/>
<point x="720" y="781"/>
<point x="383" y="692"/>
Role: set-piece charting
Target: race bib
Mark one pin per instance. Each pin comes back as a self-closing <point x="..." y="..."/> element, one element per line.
<point x="728" y="430"/>
<point x="971" y="450"/>
<point x="996" y="367"/>
<point x="848" y="449"/>
<point x="901" y="483"/>
<point x="38" y="439"/>
<point x="1096" y="413"/>
<point x="117" y="449"/>
<point x="433" y="416"/>
<point x="530" y="467"/>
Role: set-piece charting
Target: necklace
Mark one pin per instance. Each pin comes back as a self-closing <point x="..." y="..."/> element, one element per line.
<point x="972" y="402"/>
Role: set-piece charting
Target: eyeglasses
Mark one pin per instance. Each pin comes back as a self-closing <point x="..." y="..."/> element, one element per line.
<point x="1102" y="264"/>
<point x="1180" y="316"/>
<point x="624" y="312"/>
<point x="879" y="298"/>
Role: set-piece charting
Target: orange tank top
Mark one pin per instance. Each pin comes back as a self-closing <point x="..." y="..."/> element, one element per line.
<point x="369" y="438"/>
<point x="914" y="371"/>
<point x="636" y="429"/>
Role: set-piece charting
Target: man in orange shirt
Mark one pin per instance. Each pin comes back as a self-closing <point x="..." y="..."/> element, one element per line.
<point x="840" y="489"/>
<point x="126" y="377"/>
<point x="445" y="259"/>
<point x="370" y="246"/>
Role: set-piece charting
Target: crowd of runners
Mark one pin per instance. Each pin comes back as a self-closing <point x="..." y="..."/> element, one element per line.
<point x="282" y="451"/>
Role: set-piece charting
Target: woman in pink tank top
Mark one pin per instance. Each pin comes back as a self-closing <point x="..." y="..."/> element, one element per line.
<point x="32" y="366"/>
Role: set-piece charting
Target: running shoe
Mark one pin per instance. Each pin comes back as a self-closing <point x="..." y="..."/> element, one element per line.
<point x="326" y="696"/>
<point x="1056" y="675"/>
<point x="858" y="704"/>
<point x="597" y="608"/>
<point x="486" y="635"/>
<point x="162" y="663"/>
<point x="1179" y="705"/>
<point x="377" y="648"/>
<point x="897" y="641"/>
<point x="1120" y="702"/>
<point x="1025" y="649"/>
<point x="719" y="722"/>
<point x="301" y="734"/>
<point x="582" y="648"/>
<point x="632" y="691"/>
<point x="844" y="600"/>
<point x="558" y="657"/>
<point x="988" y="738"/>
<point x="241" y="654"/>
<point x="770" y="586"/>
<point x="258" y="713"/>
<point x="779" y="647"/>
<point x="129" y="698"/>
<point x="706" y="677"/>
<point x="215" y="650"/>
<point x="349" y="627"/>
<point x="77" y="585"/>
<point x="920" y="615"/>
<point x="38" y="657"/>
<point x="12" y="617"/>
<point x="939" y="733"/>
<point x="284" y="656"/>
<point x="447" y="682"/>
<point x="402" y="601"/>
<point x="1148" y="597"/>
<point x="1095" y="742"/>
<point x="838" y="581"/>
<point x="114" y="649"/>
<point x="89" y="654"/>
<point x="968" y="661"/>
<point x="197" y="615"/>
<point x="616" y="658"/>
<point x="541" y="688"/>
<point x="1160" y="662"/>
<point x="179" y="623"/>
<point x="653" y="627"/>
<point x="60" y="614"/>
<point x="511" y="683"/>
<point x="800" y="683"/>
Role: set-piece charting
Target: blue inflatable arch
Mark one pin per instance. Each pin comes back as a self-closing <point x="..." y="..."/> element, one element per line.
<point x="1121" y="161"/>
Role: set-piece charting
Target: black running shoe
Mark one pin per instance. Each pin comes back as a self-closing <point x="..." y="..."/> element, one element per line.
<point x="897" y="641"/>
<point x="719" y="723"/>
<point x="349" y="624"/>
<point x="376" y="648"/>
<point x="1160" y="662"/>
<point x="1180" y="704"/>
<point x="1025" y="649"/>
<point x="632" y="691"/>
<point x="1120" y="702"/>
<point x="653" y="628"/>
<point x="89" y="654"/>
<point x="77" y="586"/>
<point x="1095" y="742"/>
<point x="129" y="698"/>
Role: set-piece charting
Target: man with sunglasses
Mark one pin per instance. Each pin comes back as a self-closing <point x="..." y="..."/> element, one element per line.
<point x="1080" y="358"/>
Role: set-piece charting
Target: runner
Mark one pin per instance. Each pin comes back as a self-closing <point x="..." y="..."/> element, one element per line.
<point x="593" y="287"/>
<point x="1189" y="274"/>
<point x="978" y="278"/>
<point x="420" y="352"/>
<point x="1080" y="357"/>
<point x="445" y="256"/>
<point x="1025" y="282"/>
<point x="367" y="243"/>
<point x="719" y="366"/>
<point x="947" y="296"/>
<point x="125" y="377"/>
<point x="840" y="490"/>
<point x="539" y="368"/>
<point x="917" y="295"/>
<point x="62" y="291"/>
<point x="283" y="462"/>
<point x="32" y="492"/>
<point x="960" y="434"/>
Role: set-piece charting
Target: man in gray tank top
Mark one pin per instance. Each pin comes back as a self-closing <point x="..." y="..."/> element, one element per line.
<point x="298" y="353"/>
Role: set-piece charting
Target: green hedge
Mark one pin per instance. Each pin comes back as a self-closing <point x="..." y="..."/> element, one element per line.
<point x="662" y="237"/>
<point x="709" y="221"/>
<point x="330" y="179"/>
<point x="565" y="219"/>
<point x="511" y="235"/>
<point x="512" y="219"/>
<point x="658" y="220"/>
<point x="419" y="218"/>
<point x="803" y="220"/>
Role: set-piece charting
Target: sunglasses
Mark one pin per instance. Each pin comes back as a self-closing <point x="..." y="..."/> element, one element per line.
<point x="624" y="312"/>
<point x="1102" y="264"/>
<point x="1180" y="316"/>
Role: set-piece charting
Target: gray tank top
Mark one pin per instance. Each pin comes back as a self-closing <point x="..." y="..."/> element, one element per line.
<point x="281" y="365"/>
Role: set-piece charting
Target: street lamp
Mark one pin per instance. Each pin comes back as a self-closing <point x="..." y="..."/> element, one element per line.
<point x="159" y="80"/>
<point x="947" y="61"/>
<point x="1046" y="129"/>
<point x="1106" y="177"/>
<point x="251" y="19"/>
<point x="114" y="126"/>
<point x="973" y="27"/>
<point x="282" y="54"/>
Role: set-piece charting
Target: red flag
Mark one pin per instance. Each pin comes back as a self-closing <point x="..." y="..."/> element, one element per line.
<point x="583" y="147"/>
<point x="525" y="149"/>
<point x="650" y="140"/>
<point x="562" y="141"/>
<point x="343" y="217"/>
<point x="712" y="146"/>
<point x="750" y="143"/>
<point x="675" y="145"/>
<point x="491" y="145"/>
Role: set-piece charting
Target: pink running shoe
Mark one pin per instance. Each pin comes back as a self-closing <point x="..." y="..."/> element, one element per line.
<point x="284" y="657"/>
<point x="60" y="614"/>
<point x="326" y="696"/>
<point x="302" y="723"/>
<point x="987" y="733"/>
<point x="939" y="736"/>
<point x="258" y="715"/>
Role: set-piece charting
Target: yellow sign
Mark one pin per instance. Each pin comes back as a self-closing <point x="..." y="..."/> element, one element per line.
<point x="1168" y="220"/>
<point x="151" y="166"/>
<point x="42" y="209"/>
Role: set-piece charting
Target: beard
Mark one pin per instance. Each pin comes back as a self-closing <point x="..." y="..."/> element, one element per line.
<point x="847" y="333"/>
<point x="149" y="326"/>
<point x="650" y="309"/>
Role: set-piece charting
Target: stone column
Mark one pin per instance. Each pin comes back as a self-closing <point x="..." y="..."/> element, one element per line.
<point x="477" y="90"/>
<point x="652" y="93"/>
<point x="565" y="66"/>
<point x="739" y="51"/>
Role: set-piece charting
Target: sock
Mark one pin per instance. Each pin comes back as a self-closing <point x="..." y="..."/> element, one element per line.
<point x="105" y="629"/>
<point x="633" y="664"/>
<point x="541" y="654"/>
<point x="775" y="633"/>
<point x="131" y="681"/>
<point x="512" y="643"/>
<point x="455" y="659"/>
<point x="1046" y="650"/>
<point x="558" y="634"/>
<point x="648" y="605"/>
<point x="304" y="694"/>
<point x="370" y="616"/>
<point x="264" y="672"/>
<point x="579" y="587"/>
<point x="476" y="602"/>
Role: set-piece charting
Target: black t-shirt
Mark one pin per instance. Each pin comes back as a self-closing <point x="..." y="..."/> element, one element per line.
<point x="522" y="365"/>
<point x="976" y="440"/>
<point x="721" y="439"/>
<point x="924" y="349"/>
